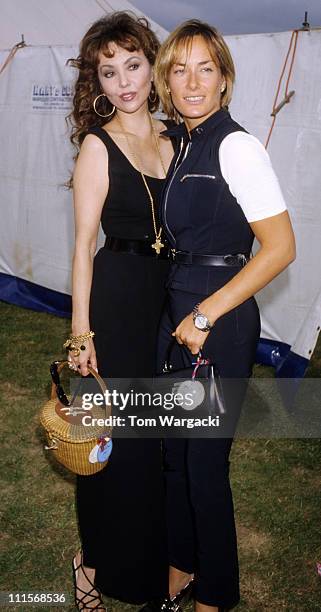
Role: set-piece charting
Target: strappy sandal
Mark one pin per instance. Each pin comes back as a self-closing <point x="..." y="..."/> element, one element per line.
<point x="171" y="604"/>
<point x="93" y="594"/>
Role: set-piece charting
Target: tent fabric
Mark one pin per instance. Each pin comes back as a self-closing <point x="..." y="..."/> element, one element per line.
<point x="291" y="304"/>
<point x="286" y="362"/>
<point x="57" y="22"/>
<point x="29" y="295"/>
<point x="36" y="232"/>
<point x="37" y="217"/>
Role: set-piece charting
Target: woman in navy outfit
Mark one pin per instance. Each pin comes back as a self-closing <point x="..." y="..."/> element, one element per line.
<point x="221" y="192"/>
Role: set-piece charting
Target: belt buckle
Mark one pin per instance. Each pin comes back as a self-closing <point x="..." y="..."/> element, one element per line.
<point x="172" y="254"/>
<point x="229" y="259"/>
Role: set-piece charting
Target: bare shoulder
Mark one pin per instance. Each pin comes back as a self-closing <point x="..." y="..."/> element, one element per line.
<point x="92" y="142"/>
<point x="92" y="161"/>
<point x="113" y="131"/>
<point x="92" y="151"/>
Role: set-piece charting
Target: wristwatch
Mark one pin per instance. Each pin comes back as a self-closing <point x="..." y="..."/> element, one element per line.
<point x="200" y="320"/>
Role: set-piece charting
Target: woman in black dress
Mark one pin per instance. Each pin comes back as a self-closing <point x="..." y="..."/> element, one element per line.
<point x="118" y="294"/>
<point x="221" y="192"/>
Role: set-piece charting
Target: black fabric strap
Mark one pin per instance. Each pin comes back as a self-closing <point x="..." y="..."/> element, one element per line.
<point x="197" y="259"/>
<point x="134" y="247"/>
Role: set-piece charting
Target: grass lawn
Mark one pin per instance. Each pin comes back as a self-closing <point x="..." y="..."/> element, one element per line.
<point x="276" y="486"/>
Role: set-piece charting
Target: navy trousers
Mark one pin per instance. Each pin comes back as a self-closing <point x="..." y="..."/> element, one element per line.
<point x="200" y="514"/>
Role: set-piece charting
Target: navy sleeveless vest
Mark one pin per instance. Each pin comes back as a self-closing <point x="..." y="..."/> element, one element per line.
<point x="199" y="213"/>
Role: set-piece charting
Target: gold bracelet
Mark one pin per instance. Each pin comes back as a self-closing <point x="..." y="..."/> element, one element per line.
<point x="75" y="343"/>
<point x="82" y="337"/>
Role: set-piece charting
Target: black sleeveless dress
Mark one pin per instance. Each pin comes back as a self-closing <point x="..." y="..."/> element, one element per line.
<point x="121" y="509"/>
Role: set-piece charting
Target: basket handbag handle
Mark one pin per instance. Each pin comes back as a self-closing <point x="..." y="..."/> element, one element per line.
<point x="58" y="392"/>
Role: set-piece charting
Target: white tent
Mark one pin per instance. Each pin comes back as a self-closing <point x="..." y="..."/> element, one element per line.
<point x="291" y="304"/>
<point x="36" y="232"/>
<point x="58" y="23"/>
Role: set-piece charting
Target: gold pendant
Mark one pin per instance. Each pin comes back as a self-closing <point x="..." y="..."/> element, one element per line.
<point x="158" y="245"/>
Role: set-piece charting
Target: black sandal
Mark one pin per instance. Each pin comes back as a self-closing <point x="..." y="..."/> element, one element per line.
<point x="171" y="604"/>
<point x="80" y="603"/>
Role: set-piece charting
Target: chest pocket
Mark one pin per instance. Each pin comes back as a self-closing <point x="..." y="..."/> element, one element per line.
<point x="203" y="176"/>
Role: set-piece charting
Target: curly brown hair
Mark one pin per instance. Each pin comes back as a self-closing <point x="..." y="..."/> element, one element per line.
<point x="124" y="29"/>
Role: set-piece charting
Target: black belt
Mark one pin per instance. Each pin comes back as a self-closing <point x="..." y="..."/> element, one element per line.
<point x="135" y="247"/>
<point x="197" y="259"/>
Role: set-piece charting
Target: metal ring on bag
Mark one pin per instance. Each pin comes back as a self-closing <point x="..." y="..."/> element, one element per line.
<point x="53" y="446"/>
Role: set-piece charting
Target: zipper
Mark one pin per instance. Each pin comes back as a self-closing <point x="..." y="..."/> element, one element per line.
<point x="176" y="168"/>
<point x="209" y="176"/>
<point x="180" y="152"/>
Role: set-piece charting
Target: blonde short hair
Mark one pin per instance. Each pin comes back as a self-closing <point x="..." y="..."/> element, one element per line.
<point x="182" y="37"/>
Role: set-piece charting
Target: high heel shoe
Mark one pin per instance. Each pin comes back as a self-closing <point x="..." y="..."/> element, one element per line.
<point x="93" y="594"/>
<point x="171" y="604"/>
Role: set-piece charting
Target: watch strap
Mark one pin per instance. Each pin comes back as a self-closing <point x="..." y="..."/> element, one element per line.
<point x="196" y="313"/>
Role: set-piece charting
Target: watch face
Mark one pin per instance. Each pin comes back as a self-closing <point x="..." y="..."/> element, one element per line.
<point x="200" y="321"/>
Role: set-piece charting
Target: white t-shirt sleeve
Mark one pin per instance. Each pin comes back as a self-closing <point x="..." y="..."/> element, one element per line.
<point x="247" y="169"/>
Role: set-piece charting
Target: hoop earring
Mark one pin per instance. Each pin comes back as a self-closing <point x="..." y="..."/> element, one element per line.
<point x="154" y="98"/>
<point x="96" y="111"/>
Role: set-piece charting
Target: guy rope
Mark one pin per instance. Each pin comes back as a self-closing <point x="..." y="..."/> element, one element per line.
<point x="12" y="53"/>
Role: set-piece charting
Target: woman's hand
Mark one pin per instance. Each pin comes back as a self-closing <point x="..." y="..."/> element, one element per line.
<point x="186" y="333"/>
<point x="84" y="359"/>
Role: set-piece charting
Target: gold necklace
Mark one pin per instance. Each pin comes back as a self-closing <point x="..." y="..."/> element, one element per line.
<point x="158" y="245"/>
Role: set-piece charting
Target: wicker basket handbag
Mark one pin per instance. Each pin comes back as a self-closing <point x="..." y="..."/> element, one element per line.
<point x="80" y="448"/>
